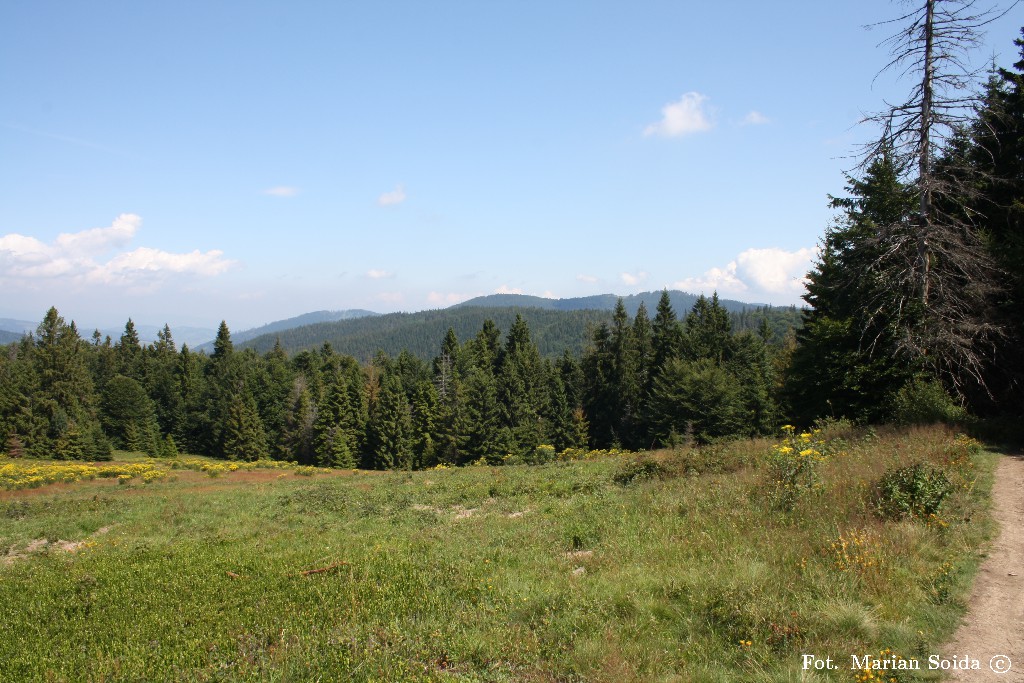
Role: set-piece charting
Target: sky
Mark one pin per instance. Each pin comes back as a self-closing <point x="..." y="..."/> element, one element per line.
<point x="192" y="162"/>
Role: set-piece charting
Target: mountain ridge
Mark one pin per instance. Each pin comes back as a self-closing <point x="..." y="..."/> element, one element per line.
<point x="555" y="324"/>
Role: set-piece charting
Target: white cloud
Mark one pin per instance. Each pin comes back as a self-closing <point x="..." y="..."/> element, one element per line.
<point x="281" y="191"/>
<point x="396" y="196"/>
<point x="586" y="278"/>
<point x="441" y="298"/>
<point x="505" y="289"/>
<point x="772" y="272"/>
<point x="755" y="118"/>
<point x="776" y="270"/>
<point x="85" y="258"/>
<point x="722" y="280"/>
<point x="632" y="279"/>
<point x="375" y="274"/>
<point x="130" y="265"/>
<point x="98" y="240"/>
<point x="688" y="115"/>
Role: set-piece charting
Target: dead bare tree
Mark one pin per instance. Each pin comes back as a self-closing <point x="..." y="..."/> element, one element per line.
<point x="939" y="282"/>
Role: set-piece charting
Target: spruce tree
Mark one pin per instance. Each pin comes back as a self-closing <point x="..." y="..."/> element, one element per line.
<point x="848" y="359"/>
<point x="244" y="437"/>
<point x="64" y="396"/>
<point x="390" y="425"/>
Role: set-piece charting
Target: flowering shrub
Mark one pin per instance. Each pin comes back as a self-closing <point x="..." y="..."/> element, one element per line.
<point x="793" y="465"/>
<point x="21" y="475"/>
<point x="571" y="454"/>
<point x="15" y="476"/>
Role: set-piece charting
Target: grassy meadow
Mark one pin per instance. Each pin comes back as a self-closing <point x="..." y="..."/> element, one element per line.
<point x="716" y="564"/>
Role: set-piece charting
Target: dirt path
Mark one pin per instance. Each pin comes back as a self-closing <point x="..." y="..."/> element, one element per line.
<point x="993" y="631"/>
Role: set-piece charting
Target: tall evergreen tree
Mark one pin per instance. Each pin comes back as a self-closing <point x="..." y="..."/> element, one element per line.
<point x="64" y="398"/>
<point x="244" y="437"/>
<point x="938" y="280"/>
<point x="848" y="359"/>
<point x="708" y="330"/>
<point x="390" y="425"/>
<point x="666" y="335"/>
<point x="128" y="353"/>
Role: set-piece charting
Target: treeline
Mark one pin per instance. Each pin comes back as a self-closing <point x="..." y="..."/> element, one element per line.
<point x="641" y="382"/>
<point x="418" y="333"/>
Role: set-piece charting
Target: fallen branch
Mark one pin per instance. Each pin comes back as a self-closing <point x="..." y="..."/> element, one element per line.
<point x="321" y="570"/>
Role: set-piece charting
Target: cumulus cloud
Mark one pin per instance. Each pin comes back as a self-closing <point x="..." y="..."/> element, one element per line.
<point x="632" y="279"/>
<point x="130" y="265"/>
<point x="772" y="272"/>
<point x="586" y="278"/>
<point x="396" y="196"/>
<point x="92" y="257"/>
<point x="687" y="116"/>
<point x="281" y="191"/>
<point x="375" y="274"/>
<point x="505" y="289"/>
<point x="755" y="118"/>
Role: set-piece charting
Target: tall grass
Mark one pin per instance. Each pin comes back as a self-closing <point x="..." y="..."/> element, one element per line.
<point x="670" y="566"/>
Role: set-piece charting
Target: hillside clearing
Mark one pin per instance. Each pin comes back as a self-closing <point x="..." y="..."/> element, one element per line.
<point x="680" y="565"/>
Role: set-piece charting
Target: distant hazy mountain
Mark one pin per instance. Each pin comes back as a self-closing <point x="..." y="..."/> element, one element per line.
<point x="682" y="302"/>
<point x="7" y="337"/>
<point x="18" y="326"/>
<point x="312" y="318"/>
<point x="147" y="333"/>
<point x="193" y="336"/>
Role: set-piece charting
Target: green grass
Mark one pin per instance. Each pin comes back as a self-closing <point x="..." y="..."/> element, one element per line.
<point x="656" y="568"/>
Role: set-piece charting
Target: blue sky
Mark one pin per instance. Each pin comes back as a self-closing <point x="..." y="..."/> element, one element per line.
<point x="190" y="162"/>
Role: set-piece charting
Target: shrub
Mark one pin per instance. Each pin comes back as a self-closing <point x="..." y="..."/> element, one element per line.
<point x="639" y="470"/>
<point x="924" y="402"/>
<point x="917" y="490"/>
